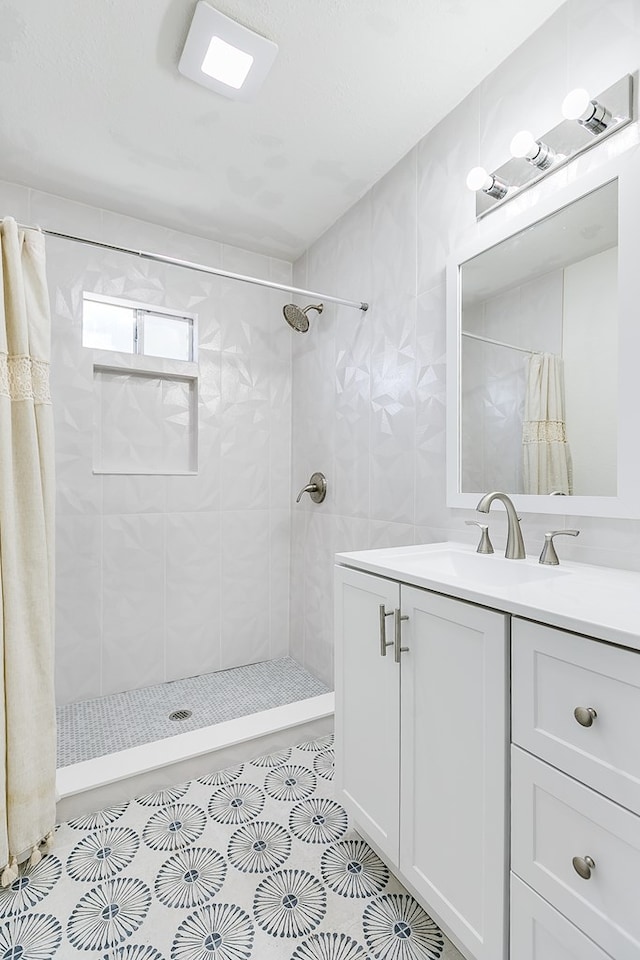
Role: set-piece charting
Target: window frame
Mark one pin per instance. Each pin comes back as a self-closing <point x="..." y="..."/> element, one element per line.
<point x="139" y="311"/>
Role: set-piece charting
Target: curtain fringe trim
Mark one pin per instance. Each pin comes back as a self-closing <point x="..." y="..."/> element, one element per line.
<point x="11" y="871"/>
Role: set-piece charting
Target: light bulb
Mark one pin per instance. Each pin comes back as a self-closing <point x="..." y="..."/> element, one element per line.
<point x="524" y="145"/>
<point x="590" y="114"/>
<point x="576" y="104"/>
<point x="479" y="179"/>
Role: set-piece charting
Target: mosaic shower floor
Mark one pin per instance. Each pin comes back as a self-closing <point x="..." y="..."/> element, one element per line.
<point x="257" y="861"/>
<point x="92" y="728"/>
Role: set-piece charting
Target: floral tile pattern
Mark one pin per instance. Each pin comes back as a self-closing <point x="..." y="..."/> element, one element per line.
<point x="256" y="862"/>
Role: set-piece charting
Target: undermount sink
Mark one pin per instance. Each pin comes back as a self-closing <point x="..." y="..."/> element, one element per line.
<point x="490" y="570"/>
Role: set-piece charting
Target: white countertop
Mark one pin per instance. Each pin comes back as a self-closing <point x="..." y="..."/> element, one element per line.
<point x="600" y="602"/>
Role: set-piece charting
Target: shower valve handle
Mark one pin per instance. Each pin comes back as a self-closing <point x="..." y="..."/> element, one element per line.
<point x="316" y="488"/>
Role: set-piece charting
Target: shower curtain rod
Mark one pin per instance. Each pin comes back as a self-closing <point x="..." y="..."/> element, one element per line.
<point x="200" y="267"/>
<point x="496" y="343"/>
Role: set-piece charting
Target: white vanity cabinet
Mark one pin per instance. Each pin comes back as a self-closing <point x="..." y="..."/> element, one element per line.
<point x="575" y="786"/>
<point x="504" y="790"/>
<point x="421" y="741"/>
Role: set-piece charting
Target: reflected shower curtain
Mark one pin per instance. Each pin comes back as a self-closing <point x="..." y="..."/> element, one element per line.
<point x="27" y="712"/>
<point x="546" y="454"/>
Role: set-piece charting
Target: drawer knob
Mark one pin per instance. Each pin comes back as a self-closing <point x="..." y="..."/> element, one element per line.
<point x="583" y="867"/>
<point x="585" y="715"/>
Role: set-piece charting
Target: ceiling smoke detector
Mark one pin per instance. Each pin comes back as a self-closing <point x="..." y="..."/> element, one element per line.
<point x="224" y="56"/>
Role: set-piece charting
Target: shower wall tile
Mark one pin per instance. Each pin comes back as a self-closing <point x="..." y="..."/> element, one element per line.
<point x="125" y="231"/>
<point x="244" y="584"/>
<point x="14" y="201"/>
<point x="279" y="581"/>
<point x="142" y="603"/>
<point x="192" y="593"/>
<point x="133" y="494"/>
<point x="392" y="248"/>
<point x="78" y="608"/>
<point x="133" y="618"/>
<point x="195" y="249"/>
<point x="65" y="216"/>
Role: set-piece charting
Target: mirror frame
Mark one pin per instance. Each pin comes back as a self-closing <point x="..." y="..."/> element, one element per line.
<point x="626" y="169"/>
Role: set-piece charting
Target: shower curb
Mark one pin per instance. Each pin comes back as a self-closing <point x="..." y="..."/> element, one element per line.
<point x="91" y="785"/>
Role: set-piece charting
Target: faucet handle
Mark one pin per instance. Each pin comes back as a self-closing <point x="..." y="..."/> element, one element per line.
<point x="549" y="555"/>
<point x="485" y="545"/>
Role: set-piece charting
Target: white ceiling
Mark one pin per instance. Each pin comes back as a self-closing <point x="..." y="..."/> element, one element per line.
<point x="92" y="105"/>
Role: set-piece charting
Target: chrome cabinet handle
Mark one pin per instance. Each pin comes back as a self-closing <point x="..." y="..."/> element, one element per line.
<point x="585" y="715"/>
<point x="397" y="636"/>
<point x="583" y="867"/>
<point x="384" y="643"/>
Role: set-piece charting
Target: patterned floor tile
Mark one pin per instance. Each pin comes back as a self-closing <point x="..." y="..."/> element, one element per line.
<point x="258" y="862"/>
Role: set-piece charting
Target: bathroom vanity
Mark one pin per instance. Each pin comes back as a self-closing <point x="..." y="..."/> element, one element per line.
<point x="487" y="716"/>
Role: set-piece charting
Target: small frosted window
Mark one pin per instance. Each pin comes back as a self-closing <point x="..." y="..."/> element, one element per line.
<point x="107" y="326"/>
<point x="164" y="336"/>
<point x="128" y="328"/>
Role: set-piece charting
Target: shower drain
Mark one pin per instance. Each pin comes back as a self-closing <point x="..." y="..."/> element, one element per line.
<point x="180" y="715"/>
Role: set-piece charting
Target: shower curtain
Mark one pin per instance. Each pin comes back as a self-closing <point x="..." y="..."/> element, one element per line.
<point x="27" y="711"/>
<point x="546" y="454"/>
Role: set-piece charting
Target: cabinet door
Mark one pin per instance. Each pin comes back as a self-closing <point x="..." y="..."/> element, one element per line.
<point x="453" y="766"/>
<point x="367" y="707"/>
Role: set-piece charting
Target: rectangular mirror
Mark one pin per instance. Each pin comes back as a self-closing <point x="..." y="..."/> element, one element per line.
<point x="541" y="387"/>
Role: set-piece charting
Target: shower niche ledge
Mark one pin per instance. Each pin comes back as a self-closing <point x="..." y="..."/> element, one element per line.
<point x="145" y="418"/>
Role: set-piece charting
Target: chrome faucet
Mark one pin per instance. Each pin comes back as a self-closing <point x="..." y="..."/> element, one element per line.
<point x="515" y="544"/>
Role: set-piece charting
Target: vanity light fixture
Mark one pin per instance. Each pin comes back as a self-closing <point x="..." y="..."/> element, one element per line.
<point x="593" y="116"/>
<point x="224" y="56"/>
<point x="524" y="146"/>
<point x="479" y="179"/>
<point x="552" y="150"/>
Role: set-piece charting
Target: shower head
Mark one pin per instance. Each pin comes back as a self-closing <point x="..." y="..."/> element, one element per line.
<point x="297" y="317"/>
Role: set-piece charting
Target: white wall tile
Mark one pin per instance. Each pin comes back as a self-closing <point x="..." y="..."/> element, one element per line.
<point x="162" y="542"/>
<point x="133" y="572"/>
<point x="65" y="216"/>
<point x="245" y="588"/>
<point x="14" y="202"/>
<point x="78" y="608"/>
<point x="525" y="92"/>
<point x="604" y="39"/>
<point x="279" y="581"/>
<point x="192" y="594"/>
<point x="395" y="242"/>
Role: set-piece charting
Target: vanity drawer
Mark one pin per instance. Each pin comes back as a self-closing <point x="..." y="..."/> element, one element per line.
<point x="554" y="672"/>
<point x="538" y="932"/>
<point x="553" y="820"/>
